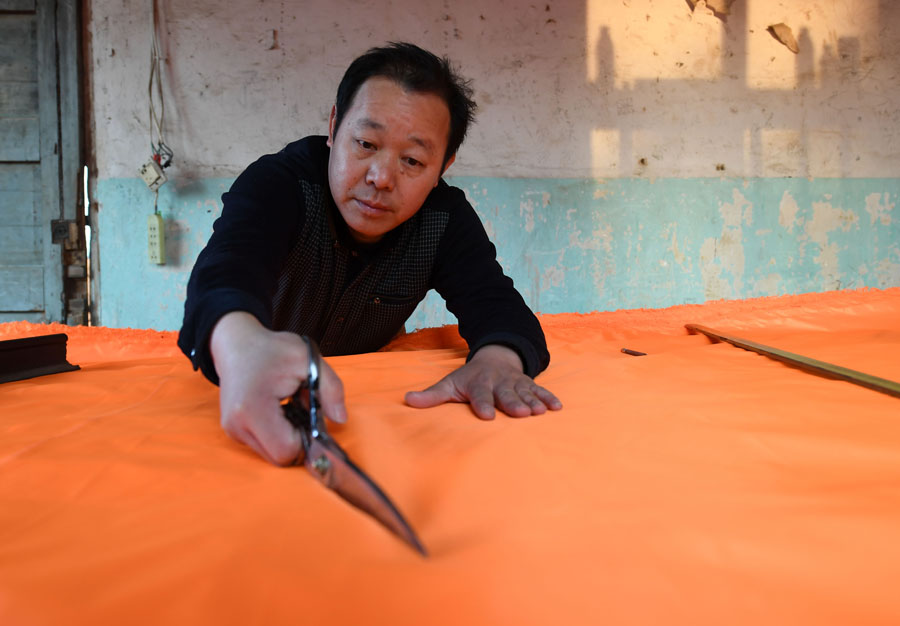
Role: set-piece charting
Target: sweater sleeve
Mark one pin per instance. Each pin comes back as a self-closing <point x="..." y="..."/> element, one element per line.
<point x="239" y="267"/>
<point x="483" y="299"/>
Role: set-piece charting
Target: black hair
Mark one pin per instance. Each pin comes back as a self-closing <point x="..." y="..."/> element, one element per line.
<point x="416" y="70"/>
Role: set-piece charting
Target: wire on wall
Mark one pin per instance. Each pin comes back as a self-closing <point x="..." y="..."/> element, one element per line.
<point x="160" y="154"/>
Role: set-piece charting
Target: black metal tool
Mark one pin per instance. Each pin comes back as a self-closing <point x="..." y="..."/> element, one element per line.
<point x="33" y="356"/>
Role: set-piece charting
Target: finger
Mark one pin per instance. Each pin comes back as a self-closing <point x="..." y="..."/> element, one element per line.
<point x="266" y="432"/>
<point x="510" y="402"/>
<point x="287" y="368"/>
<point x="538" y="398"/>
<point x="438" y="393"/>
<point x="279" y="438"/>
<point x="481" y="399"/>
<point x="331" y="395"/>
<point x="246" y="437"/>
<point x="535" y="405"/>
<point x="550" y="401"/>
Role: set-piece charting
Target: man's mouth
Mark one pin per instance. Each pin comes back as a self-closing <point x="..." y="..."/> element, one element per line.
<point x="372" y="208"/>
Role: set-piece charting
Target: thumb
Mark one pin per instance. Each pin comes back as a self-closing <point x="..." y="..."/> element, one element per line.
<point x="335" y="410"/>
<point x="438" y="393"/>
<point x="331" y="391"/>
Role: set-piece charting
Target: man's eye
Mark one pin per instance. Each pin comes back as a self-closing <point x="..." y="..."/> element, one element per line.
<point x="413" y="162"/>
<point x="365" y="145"/>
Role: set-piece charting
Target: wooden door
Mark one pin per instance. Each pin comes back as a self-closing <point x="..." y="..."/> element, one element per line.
<point x="39" y="155"/>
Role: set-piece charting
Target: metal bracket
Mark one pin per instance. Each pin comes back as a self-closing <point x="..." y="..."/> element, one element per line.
<point x="60" y="230"/>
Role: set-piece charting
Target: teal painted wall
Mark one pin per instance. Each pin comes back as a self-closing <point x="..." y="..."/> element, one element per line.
<point x="570" y="245"/>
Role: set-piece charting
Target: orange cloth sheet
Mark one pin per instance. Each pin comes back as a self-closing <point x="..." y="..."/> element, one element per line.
<point x="700" y="484"/>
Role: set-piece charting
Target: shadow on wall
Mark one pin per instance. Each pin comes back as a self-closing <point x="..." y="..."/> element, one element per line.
<point x="802" y="129"/>
<point x="703" y="173"/>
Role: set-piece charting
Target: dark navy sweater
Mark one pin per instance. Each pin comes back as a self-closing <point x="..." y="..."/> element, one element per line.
<point x="281" y="251"/>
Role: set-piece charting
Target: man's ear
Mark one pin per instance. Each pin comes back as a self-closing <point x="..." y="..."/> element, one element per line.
<point x="330" y="141"/>
<point x="447" y="166"/>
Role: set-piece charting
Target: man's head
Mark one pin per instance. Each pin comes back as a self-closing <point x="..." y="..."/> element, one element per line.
<point x="392" y="136"/>
<point x="418" y="71"/>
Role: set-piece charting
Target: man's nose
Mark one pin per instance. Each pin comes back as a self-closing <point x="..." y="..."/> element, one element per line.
<point x="382" y="172"/>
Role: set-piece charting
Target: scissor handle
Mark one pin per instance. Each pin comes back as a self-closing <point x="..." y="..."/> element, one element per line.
<point x="312" y="384"/>
<point x="312" y="380"/>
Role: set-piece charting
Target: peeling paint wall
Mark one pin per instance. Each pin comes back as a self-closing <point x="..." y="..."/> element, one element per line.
<point x="629" y="153"/>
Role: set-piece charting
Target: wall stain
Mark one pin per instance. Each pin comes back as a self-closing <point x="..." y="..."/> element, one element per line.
<point x="825" y="220"/>
<point x="722" y="258"/>
<point x="787" y="212"/>
<point x="879" y="211"/>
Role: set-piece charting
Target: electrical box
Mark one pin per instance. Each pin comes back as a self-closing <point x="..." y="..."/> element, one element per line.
<point x="156" y="239"/>
<point x="153" y="174"/>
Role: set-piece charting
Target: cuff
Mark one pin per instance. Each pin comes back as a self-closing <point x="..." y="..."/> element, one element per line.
<point x="531" y="363"/>
<point x="194" y="336"/>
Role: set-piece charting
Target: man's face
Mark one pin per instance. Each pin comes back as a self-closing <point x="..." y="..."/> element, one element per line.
<point x="386" y="157"/>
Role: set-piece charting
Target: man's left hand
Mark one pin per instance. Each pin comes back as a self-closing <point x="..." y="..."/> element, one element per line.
<point x="493" y="377"/>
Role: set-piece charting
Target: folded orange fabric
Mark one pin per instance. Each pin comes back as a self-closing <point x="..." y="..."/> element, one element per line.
<point x="700" y="484"/>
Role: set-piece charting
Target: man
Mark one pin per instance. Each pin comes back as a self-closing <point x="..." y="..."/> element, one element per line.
<point x="339" y="238"/>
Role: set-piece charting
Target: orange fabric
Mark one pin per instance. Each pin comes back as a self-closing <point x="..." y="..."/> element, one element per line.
<point x="701" y="484"/>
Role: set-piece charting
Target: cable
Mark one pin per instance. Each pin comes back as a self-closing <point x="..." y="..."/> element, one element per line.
<point x="161" y="152"/>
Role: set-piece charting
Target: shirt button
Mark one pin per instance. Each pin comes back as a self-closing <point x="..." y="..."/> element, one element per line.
<point x="376" y="300"/>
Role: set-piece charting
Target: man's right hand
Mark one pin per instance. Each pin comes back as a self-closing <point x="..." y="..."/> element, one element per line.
<point x="257" y="369"/>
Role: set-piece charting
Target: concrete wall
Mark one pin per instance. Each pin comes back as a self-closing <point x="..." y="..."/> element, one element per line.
<point x="628" y="153"/>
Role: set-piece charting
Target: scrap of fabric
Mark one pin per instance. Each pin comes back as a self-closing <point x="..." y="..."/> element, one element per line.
<point x="697" y="484"/>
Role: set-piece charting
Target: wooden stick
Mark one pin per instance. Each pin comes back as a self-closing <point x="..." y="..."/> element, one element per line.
<point x="819" y="367"/>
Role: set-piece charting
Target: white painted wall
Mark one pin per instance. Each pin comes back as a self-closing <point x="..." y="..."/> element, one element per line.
<point x="565" y="88"/>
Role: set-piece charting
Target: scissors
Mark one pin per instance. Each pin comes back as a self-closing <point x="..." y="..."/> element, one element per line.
<point x="331" y="466"/>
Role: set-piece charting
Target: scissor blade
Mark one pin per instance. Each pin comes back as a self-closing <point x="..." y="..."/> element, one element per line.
<point x="340" y="474"/>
